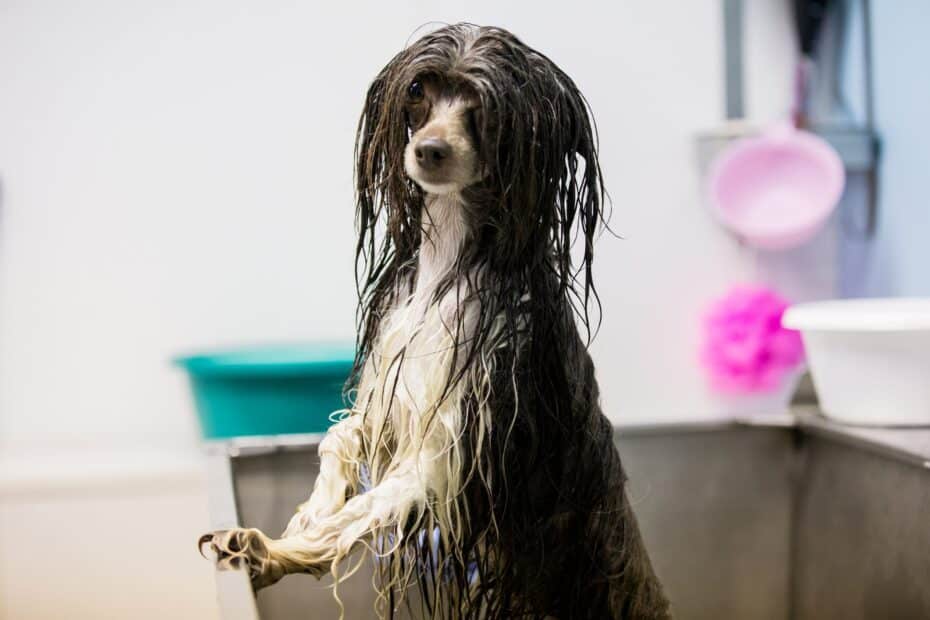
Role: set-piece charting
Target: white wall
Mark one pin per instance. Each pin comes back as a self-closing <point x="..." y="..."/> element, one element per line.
<point x="105" y="547"/>
<point x="178" y="175"/>
<point x="894" y="262"/>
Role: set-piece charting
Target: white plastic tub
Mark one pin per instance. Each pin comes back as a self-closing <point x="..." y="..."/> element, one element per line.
<point x="869" y="358"/>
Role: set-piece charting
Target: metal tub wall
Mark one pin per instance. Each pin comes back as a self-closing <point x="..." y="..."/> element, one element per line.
<point x="268" y="489"/>
<point x="714" y="506"/>
<point x="818" y="521"/>
<point x="862" y="537"/>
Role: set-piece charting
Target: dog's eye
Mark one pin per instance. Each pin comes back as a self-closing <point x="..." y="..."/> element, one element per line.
<point x="415" y="91"/>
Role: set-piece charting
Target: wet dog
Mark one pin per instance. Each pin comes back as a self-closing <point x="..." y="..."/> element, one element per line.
<point x="474" y="461"/>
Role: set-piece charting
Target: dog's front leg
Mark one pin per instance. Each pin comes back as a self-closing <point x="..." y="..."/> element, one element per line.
<point x="339" y="476"/>
<point x="331" y="539"/>
<point x="340" y="452"/>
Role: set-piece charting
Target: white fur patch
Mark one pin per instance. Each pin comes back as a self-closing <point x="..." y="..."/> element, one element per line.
<point x="411" y="428"/>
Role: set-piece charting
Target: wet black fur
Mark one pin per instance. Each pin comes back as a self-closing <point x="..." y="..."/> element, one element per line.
<point x="550" y="531"/>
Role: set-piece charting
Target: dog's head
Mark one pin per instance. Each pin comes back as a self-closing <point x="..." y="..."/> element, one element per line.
<point x="475" y="112"/>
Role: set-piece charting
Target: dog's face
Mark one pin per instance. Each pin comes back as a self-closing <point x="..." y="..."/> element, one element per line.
<point x="442" y="155"/>
<point x="473" y="111"/>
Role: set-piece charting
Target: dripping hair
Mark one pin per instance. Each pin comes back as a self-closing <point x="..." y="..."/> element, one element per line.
<point x="541" y="194"/>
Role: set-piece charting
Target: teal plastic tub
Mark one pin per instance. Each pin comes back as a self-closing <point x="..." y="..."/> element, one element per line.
<point x="269" y="390"/>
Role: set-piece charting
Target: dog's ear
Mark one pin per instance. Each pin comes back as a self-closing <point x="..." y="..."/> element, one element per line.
<point x="382" y="186"/>
<point x="369" y="167"/>
<point x="388" y="204"/>
<point x="580" y="198"/>
<point x="541" y="148"/>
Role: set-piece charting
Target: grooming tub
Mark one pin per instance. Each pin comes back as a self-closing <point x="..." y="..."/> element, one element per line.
<point x="797" y="518"/>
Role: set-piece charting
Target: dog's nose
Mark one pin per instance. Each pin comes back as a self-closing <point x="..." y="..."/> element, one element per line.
<point x="431" y="152"/>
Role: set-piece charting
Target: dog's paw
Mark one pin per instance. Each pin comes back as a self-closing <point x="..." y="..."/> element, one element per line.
<point x="244" y="549"/>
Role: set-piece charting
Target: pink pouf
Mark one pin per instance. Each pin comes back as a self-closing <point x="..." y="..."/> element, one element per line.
<point x="746" y="350"/>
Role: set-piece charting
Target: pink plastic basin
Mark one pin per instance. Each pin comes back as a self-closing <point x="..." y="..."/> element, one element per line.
<point x="776" y="191"/>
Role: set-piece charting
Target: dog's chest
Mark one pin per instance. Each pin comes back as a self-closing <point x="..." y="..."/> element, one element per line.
<point x="407" y="374"/>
